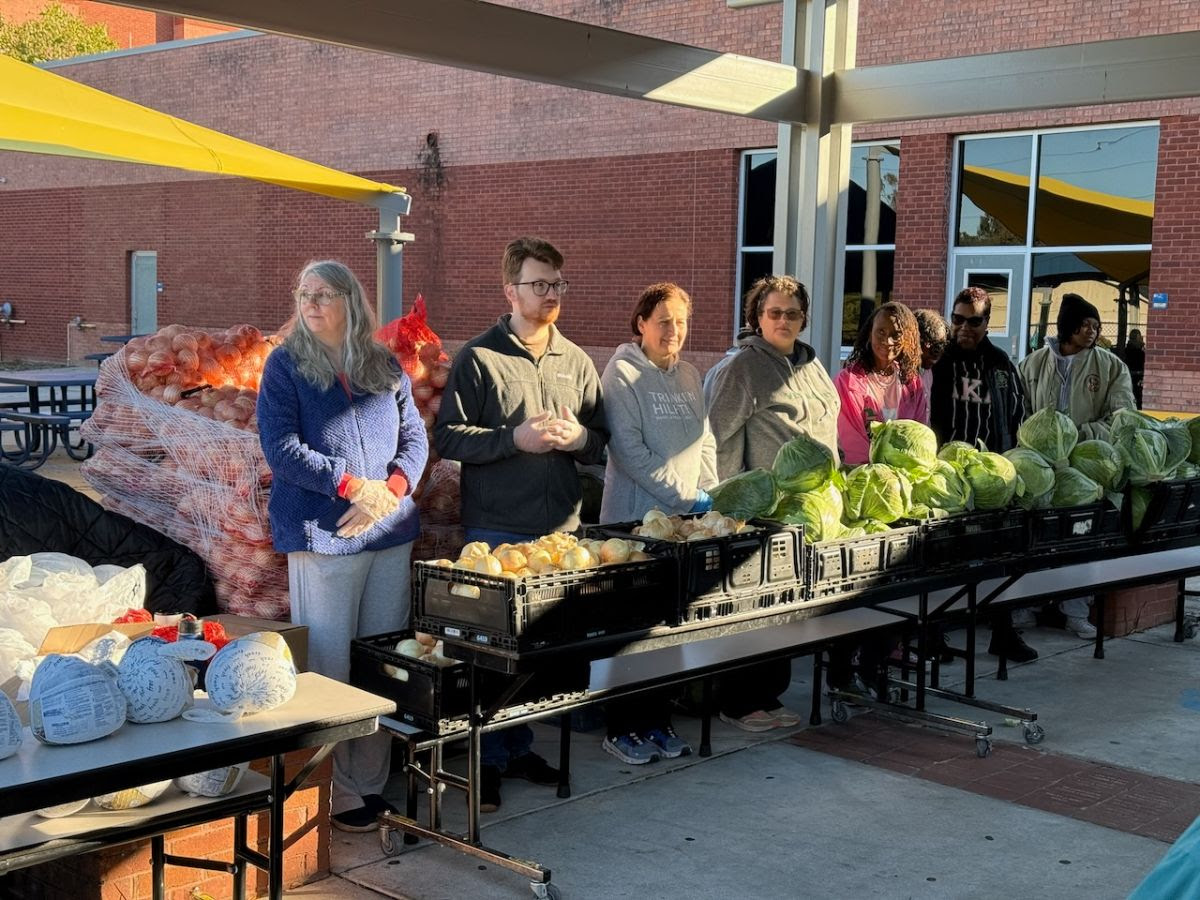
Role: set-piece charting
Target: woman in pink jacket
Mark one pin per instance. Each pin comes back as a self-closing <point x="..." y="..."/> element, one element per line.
<point x="881" y="380"/>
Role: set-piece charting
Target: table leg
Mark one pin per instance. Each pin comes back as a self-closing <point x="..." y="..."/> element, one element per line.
<point x="922" y="650"/>
<point x="972" y="625"/>
<point x="818" y="682"/>
<point x="564" y="756"/>
<point x="275" y="847"/>
<point x="158" y="868"/>
<point x="1101" y="604"/>
<point x="706" y="707"/>
<point x="1180" y="612"/>
<point x="239" y="861"/>
<point x="474" y="762"/>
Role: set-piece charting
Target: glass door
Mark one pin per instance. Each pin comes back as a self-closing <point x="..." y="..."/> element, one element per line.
<point x="1003" y="276"/>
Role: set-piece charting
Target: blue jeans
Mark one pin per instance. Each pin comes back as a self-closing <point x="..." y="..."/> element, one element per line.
<point x="499" y="747"/>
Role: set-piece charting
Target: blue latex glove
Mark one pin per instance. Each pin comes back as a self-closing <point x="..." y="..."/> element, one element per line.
<point x="703" y="502"/>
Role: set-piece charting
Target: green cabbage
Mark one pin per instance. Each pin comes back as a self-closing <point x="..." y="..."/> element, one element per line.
<point x="1144" y="451"/>
<point x="802" y="465"/>
<point x="944" y="488"/>
<point x="1139" y="500"/>
<point x="1185" y="471"/>
<point x="1051" y="434"/>
<point x="904" y="444"/>
<point x="1179" y="443"/>
<point x="876" y="491"/>
<point x="993" y="480"/>
<point x="957" y="453"/>
<point x="866" y="526"/>
<point x="1036" y="501"/>
<point x="1036" y="475"/>
<point x="1101" y="462"/>
<point x="1073" y="488"/>
<point x="1125" y="421"/>
<point x="1193" y="427"/>
<point x="747" y="495"/>
<point x="820" y="512"/>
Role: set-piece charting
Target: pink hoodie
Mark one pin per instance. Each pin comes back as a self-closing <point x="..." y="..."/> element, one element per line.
<point x="859" y="409"/>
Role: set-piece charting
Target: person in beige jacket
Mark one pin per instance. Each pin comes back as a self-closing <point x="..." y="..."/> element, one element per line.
<point x="1074" y="376"/>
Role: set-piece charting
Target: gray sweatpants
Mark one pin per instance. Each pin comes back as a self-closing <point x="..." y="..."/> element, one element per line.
<point x="340" y="598"/>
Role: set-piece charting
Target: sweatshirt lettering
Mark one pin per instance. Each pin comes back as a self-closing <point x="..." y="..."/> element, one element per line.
<point x="672" y="404"/>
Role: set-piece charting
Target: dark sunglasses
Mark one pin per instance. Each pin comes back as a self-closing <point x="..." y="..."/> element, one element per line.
<point x="973" y="321"/>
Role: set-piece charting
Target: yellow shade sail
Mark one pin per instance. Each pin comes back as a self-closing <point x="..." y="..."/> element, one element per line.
<point x="41" y="112"/>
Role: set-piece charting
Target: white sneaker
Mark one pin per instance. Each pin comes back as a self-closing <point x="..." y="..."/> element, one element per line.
<point x="1024" y="618"/>
<point x="1081" y="627"/>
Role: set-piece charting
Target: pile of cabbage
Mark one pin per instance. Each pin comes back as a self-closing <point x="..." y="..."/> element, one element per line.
<point x="909" y="477"/>
<point x="903" y="480"/>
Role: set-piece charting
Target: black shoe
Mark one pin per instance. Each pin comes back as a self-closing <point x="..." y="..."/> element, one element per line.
<point x="533" y="768"/>
<point x="377" y="804"/>
<point x="359" y="820"/>
<point x="489" y="789"/>
<point x="1011" y="646"/>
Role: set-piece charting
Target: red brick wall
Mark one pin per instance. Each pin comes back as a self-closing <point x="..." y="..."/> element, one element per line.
<point x="228" y="250"/>
<point x="922" y="210"/>
<point x="127" y="27"/>
<point x="1172" y="378"/>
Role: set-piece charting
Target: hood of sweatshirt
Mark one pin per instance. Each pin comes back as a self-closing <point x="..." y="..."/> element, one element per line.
<point x="803" y="352"/>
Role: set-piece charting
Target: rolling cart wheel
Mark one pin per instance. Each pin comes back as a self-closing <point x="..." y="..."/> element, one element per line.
<point x="838" y="711"/>
<point x="545" y="891"/>
<point x="983" y="747"/>
<point x="893" y="696"/>
<point x="1034" y="733"/>
<point x="387" y="842"/>
<point x="1189" y="629"/>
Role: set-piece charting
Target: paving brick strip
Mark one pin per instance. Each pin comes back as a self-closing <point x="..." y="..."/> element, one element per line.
<point x="1112" y="796"/>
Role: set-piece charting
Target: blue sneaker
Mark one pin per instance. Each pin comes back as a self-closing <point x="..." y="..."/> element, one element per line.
<point x="671" y="744"/>
<point x="630" y="748"/>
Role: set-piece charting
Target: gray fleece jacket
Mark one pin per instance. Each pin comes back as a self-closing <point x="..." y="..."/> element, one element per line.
<point x="494" y="386"/>
<point x="762" y="399"/>
<point x="660" y="452"/>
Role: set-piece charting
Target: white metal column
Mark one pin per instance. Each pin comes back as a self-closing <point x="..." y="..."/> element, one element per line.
<point x="813" y="170"/>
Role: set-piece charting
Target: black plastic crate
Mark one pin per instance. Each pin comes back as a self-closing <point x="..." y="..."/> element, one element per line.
<point x="1172" y="512"/>
<point x="973" y="538"/>
<point x="750" y="605"/>
<point x="721" y="572"/>
<point x="1073" y="529"/>
<point x="438" y="698"/>
<point x="540" y="612"/>
<point x="845" y="565"/>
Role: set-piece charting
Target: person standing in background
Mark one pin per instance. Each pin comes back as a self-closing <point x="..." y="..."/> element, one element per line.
<point x="661" y="456"/>
<point x="346" y="446"/>
<point x="522" y="405"/>
<point x="977" y="397"/>
<point x="933" y="332"/>
<point x="881" y="380"/>
<point x="772" y="390"/>
<point x="1135" y="358"/>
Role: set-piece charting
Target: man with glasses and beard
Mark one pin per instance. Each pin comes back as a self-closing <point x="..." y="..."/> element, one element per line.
<point x="978" y="396"/>
<point x="522" y="405"/>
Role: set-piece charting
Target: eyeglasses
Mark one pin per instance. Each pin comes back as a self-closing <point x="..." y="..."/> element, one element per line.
<point x="792" y="315"/>
<point x="321" y="297"/>
<point x="973" y="321"/>
<point x="541" y="288"/>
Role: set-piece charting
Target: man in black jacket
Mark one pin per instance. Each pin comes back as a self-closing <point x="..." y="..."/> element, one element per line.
<point x="977" y="396"/>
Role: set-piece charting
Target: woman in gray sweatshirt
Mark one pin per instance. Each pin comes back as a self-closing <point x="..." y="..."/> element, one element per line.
<point x="661" y="455"/>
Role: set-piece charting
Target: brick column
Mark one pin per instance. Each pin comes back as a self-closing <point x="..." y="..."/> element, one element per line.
<point x="923" y="207"/>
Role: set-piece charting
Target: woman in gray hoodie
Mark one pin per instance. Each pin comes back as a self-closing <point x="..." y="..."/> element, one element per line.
<point x="774" y="389"/>
<point x="660" y="456"/>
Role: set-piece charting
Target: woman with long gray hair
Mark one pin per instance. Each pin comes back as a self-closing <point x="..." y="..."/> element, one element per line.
<point x="346" y="446"/>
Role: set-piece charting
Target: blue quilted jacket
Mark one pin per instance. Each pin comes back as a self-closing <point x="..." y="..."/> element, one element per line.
<point x="311" y="438"/>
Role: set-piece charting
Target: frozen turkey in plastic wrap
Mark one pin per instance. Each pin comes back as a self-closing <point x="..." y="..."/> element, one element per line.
<point x="72" y="702"/>
<point x="157" y="686"/>
<point x="10" y="728"/>
<point x="214" y="782"/>
<point x="252" y="674"/>
<point x="132" y="798"/>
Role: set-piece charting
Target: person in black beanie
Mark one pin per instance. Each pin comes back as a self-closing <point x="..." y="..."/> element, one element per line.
<point x="976" y="396"/>
<point x="1087" y="383"/>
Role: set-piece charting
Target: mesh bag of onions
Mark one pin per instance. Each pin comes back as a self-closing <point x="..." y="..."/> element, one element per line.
<point x="177" y="449"/>
<point x="419" y="351"/>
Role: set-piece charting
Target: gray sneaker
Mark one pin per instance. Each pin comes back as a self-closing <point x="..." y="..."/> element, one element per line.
<point x="665" y="738"/>
<point x="630" y="748"/>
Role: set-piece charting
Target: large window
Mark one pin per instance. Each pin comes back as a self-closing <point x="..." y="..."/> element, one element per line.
<point x="756" y="230"/>
<point x="1083" y="227"/>
<point x="867" y="267"/>
<point x="870" y="228"/>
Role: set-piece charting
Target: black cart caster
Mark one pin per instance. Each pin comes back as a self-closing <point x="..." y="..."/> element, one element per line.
<point x="1034" y="733"/>
<point x="983" y="747"/>
<point x="838" y="711"/>
<point x="545" y="891"/>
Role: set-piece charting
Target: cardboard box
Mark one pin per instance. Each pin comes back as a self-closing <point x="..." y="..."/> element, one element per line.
<point x="73" y="638"/>
<point x="295" y="635"/>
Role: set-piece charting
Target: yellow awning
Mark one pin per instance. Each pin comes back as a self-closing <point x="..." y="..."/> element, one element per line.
<point x="41" y="112"/>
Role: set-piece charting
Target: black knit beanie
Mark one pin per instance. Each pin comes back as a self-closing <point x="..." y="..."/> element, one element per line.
<point x="1071" y="312"/>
